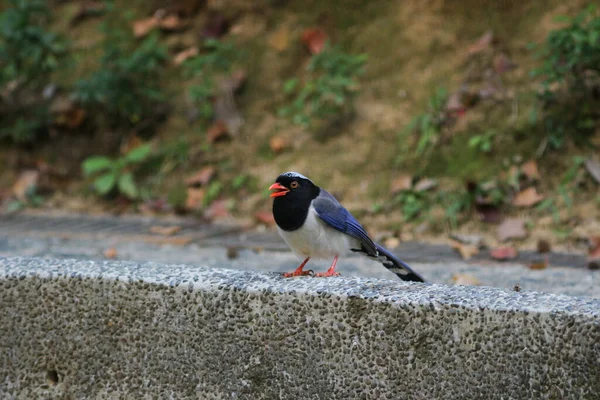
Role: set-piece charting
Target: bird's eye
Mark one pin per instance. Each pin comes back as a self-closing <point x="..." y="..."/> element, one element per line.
<point x="294" y="185"/>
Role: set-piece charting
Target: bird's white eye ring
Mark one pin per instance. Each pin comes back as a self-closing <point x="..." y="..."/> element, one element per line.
<point x="294" y="185"/>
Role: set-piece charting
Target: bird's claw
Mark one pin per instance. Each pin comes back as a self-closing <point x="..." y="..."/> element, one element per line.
<point x="298" y="273"/>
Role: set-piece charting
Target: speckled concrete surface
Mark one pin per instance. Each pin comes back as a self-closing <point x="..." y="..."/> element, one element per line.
<point x="86" y="329"/>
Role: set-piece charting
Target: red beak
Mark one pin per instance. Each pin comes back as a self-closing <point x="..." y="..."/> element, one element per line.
<point x="280" y="190"/>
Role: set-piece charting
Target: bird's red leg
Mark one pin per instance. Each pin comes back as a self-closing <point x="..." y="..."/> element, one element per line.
<point x="330" y="271"/>
<point x="299" y="271"/>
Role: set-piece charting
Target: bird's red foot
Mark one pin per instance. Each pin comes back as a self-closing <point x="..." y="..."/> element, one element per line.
<point x="299" y="271"/>
<point x="330" y="271"/>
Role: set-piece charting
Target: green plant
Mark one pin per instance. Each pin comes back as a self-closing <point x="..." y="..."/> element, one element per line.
<point x="126" y="87"/>
<point x="329" y="89"/>
<point x="218" y="57"/>
<point x="411" y="203"/>
<point x="29" y="53"/>
<point x="571" y="74"/>
<point x="483" y="142"/>
<point x="429" y="124"/>
<point x="111" y="174"/>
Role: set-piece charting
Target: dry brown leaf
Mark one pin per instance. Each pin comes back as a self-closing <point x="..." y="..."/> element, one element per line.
<point x="504" y="253"/>
<point x="466" y="250"/>
<point x="165" y="230"/>
<point x="593" y="167"/>
<point x="194" y="199"/>
<point x="465" y="280"/>
<point x="539" y="264"/>
<point x="530" y="170"/>
<point x="278" y="144"/>
<point x="391" y="242"/>
<point x="25" y="183"/>
<point x="111" y="252"/>
<point x="400" y="183"/>
<point x="142" y="27"/>
<point x="314" y="39"/>
<point x="172" y="23"/>
<point x="511" y="228"/>
<point x="425" y="184"/>
<point x="475" y="240"/>
<point x="280" y="39"/>
<point x="593" y="259"/>
<point x="265" y="217"/>
<point x="217" y="131"/>
<point x="483" y="43"/>
<point x="527" y="198"/>
<point x="202" y="177"/>
<point x="217" y="209"/>
<point x="186" y="54"/>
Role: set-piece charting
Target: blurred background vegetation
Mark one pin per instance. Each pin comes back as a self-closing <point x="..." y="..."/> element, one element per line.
<point x="423" y="117"/>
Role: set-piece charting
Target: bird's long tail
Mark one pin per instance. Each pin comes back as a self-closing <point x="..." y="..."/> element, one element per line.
<point x="396" y="265"/>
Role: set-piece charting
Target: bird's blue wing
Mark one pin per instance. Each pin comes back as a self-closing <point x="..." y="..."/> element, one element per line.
<point x="336" y="216"/>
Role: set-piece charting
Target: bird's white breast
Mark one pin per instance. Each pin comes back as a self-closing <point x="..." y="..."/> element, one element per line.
<point x="317" y="240"/>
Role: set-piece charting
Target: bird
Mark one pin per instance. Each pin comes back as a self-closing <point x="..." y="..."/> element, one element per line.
<point x="315" y="225"/>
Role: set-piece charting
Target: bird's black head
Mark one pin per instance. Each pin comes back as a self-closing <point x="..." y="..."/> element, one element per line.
<point x="292" y="193"/>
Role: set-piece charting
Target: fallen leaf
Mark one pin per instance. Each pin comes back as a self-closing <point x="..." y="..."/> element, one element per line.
<point x="391" y="242"/>
<point x="530" y="170"/>
<point x="25" y="184"/>
<point x="265" y="217"/>
<point x="217" y="209"/>
<point x="466" y="250"/>
<point x="543" y="246"/>
<point x="593" y="259"/>
<point x="511" y="228"/>
<point x="483" y="43"/>
<point x="194" y="199"/>
<point x="202" y="177"/>
<point x="504" y="253"/>
<point x="142" y="27"/>
<point x="593" y="167"/>
<point x="425" y="184"/>
<point x="539" y="264"/>
<point x="280" y="39"/>
<point x="503" y="64"/>
<point x="186" y="54"/>
<point x="465" y="280"/>
<point x="278" y="144"/>
<point x="314" y="39"/>
<point x="527" y="198"/>
<point x="400" y="183"/>
<point x="172" y="23"/>
<point x="475" y="240"/>
<point x="111" y="252"/>
<point x="165" y="230"/>
<point x="217" y="131"/>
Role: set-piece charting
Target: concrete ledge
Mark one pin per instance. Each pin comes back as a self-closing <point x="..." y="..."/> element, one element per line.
<point x="75" y="330"/>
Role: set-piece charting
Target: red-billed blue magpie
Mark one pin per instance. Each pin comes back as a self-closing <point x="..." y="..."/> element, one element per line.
<point x="315" y="225"/>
